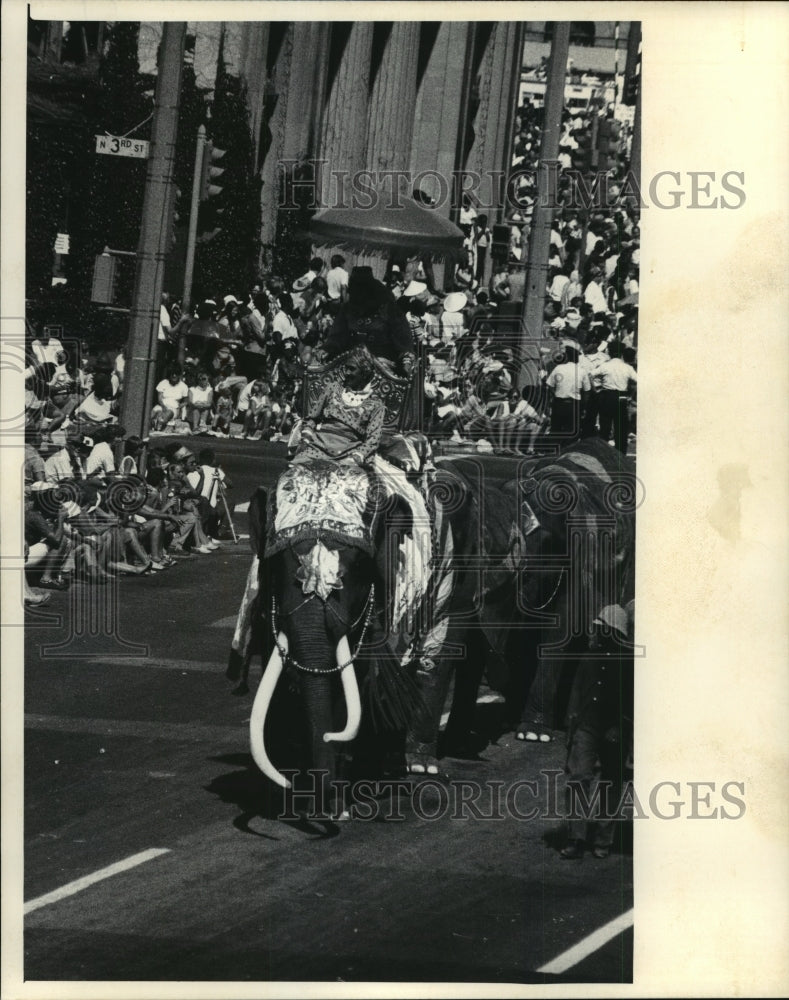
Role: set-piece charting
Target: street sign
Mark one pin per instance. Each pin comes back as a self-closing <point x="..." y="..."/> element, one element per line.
<point x="113" y="145"/>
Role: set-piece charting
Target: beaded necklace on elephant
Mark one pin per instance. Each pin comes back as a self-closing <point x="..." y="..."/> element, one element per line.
<point x="367" y="613"/>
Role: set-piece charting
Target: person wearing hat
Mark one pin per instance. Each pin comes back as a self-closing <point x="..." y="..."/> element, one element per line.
<point x="171" y="395"/>
<point x="69" y="462"/>
<point x="304" y="281"/>
<point x="371" y="319"/>
<point x="453" y="322"/>
<point x="599" y="732"/>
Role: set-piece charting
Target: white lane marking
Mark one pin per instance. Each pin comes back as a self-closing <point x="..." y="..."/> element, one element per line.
<point x="228" y="622"/>
<point x="72" y="888"/>
<point x="179" y="732"/>
<point x="593" y="942"/>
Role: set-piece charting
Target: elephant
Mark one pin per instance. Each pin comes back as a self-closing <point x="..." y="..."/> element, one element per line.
<point x="339" y="615"/>
<point x="555" y="544"/>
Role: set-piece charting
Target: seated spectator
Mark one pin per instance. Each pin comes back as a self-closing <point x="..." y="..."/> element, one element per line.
<point x="47" y="544"/>
<point x="34" y="469"/>
<point x="171" y="395"/>
<point x="200" y="399"/>
<point x="132" y="449"/>
<point x="69" y="462"/>
<point x="231" y="381"/>
<point x="258" y="416"/>
<point x="100" y="462"/>
<point x="223" y="411"/>
<point x="98" y="406"/>
<point x="208" y="479"/>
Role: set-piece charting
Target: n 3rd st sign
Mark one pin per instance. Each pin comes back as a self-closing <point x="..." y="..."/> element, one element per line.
<point x="112" y="145"/>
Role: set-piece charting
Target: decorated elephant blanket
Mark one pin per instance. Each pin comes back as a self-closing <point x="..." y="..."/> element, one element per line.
<point x="323" y="501"/>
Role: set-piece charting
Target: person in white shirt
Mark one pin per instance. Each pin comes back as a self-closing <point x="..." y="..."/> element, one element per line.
<point x="282" y="326"/>
<point x="615" y="378"/>
<point x="337" y="280"/>
<point x="198" y="404"/>
<point x="171" y="394"/>
<point x="593" y="293"/>
<point x="569" y="385"/>
<point x="100" y="463"/>
<point x="46" y="348"/>
<point x="69" y="462"/>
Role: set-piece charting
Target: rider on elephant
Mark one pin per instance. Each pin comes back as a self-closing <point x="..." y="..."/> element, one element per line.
<point x="346" y="422"/>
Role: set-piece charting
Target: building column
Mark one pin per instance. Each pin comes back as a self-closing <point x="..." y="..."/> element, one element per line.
<point x="437" y="116"/>
<point x="390" y="122"/>
<point x="344" y="121"/>
<point x="497" y="88"/>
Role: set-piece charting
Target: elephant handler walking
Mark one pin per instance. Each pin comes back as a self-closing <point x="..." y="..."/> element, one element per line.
<point x="599" y="734"/>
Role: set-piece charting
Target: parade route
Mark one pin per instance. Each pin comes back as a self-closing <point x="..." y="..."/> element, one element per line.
<point x="152" y="850"/>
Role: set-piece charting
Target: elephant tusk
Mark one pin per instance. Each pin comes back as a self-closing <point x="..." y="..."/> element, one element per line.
<point x="351" y="691"/>
<point x="260" y="708"/>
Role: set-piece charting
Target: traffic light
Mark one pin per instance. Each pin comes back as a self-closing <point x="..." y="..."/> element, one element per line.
<point x="103" y="290"/>
<point x="211" y="156"/>
<point x="582" y="156"/>
<point x="210" y="211"/>
<point x="608" y="143"/>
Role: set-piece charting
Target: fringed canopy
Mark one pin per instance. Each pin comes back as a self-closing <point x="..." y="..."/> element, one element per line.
<point x="387" y="227"/>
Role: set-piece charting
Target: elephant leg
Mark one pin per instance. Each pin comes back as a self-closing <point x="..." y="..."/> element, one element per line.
<point x="459" y="736"/>
<point x="537" y="719"/>
<point x="421" y="752"/>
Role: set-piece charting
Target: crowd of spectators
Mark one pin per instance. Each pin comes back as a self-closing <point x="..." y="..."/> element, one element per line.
<point x="89" y="513"/>
<point x="235" y="367"/>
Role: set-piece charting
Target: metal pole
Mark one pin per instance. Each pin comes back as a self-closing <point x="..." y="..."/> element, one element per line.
<point x="542" y="216"/>
<point x="191" y="239"/>
<point x="154" y="236"/>
<point x="193" y="214"/>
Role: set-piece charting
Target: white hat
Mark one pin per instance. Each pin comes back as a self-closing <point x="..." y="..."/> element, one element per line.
<point x="230" y="298"/>
<point x="302" y="283"/>
<point x="455" y="301"/>
<point x="414" y="288"/>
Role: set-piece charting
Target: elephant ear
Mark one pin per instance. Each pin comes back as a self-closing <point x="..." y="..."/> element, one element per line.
<point x="391" y="693"/>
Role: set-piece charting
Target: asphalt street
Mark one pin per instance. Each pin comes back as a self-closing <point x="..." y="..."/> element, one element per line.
<point x="137" y="756"/>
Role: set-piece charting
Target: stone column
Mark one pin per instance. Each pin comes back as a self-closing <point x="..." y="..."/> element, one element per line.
<point x="497" y="86"/>
<point x="344" y="120"/>
<point x="391" y="115"/>
<point x="252" y="68"/>
<point x="437" y="117"/>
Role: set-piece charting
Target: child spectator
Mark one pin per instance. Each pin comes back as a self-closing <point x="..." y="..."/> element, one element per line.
<point x="223" y="411"/>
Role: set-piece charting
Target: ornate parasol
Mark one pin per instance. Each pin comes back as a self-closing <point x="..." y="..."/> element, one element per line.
<point x="386" y="227"/>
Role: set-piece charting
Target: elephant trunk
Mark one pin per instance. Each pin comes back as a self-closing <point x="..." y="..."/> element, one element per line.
<point x="260" y="708"/>
<point x="351" y="691"/>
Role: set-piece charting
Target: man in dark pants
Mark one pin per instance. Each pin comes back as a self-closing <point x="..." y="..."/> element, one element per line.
<point x="614" y="378"/>
<point x="599" y="735"/>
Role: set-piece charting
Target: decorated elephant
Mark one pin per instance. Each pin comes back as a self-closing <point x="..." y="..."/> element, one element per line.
<point x="555" y="544"/>
<point x="345" y="561"/>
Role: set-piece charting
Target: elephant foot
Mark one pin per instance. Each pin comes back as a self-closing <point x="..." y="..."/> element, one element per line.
<point x="528" y="735"/>
<point x="421" y="759"/>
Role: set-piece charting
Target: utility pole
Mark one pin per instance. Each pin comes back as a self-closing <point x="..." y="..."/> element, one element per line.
<point x="542" y="216"/>
<point x="192" y="237"/>
<point x="152" y="248"/>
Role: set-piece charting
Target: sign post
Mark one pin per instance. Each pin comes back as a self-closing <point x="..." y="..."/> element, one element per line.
<point x="154" y="236"/>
